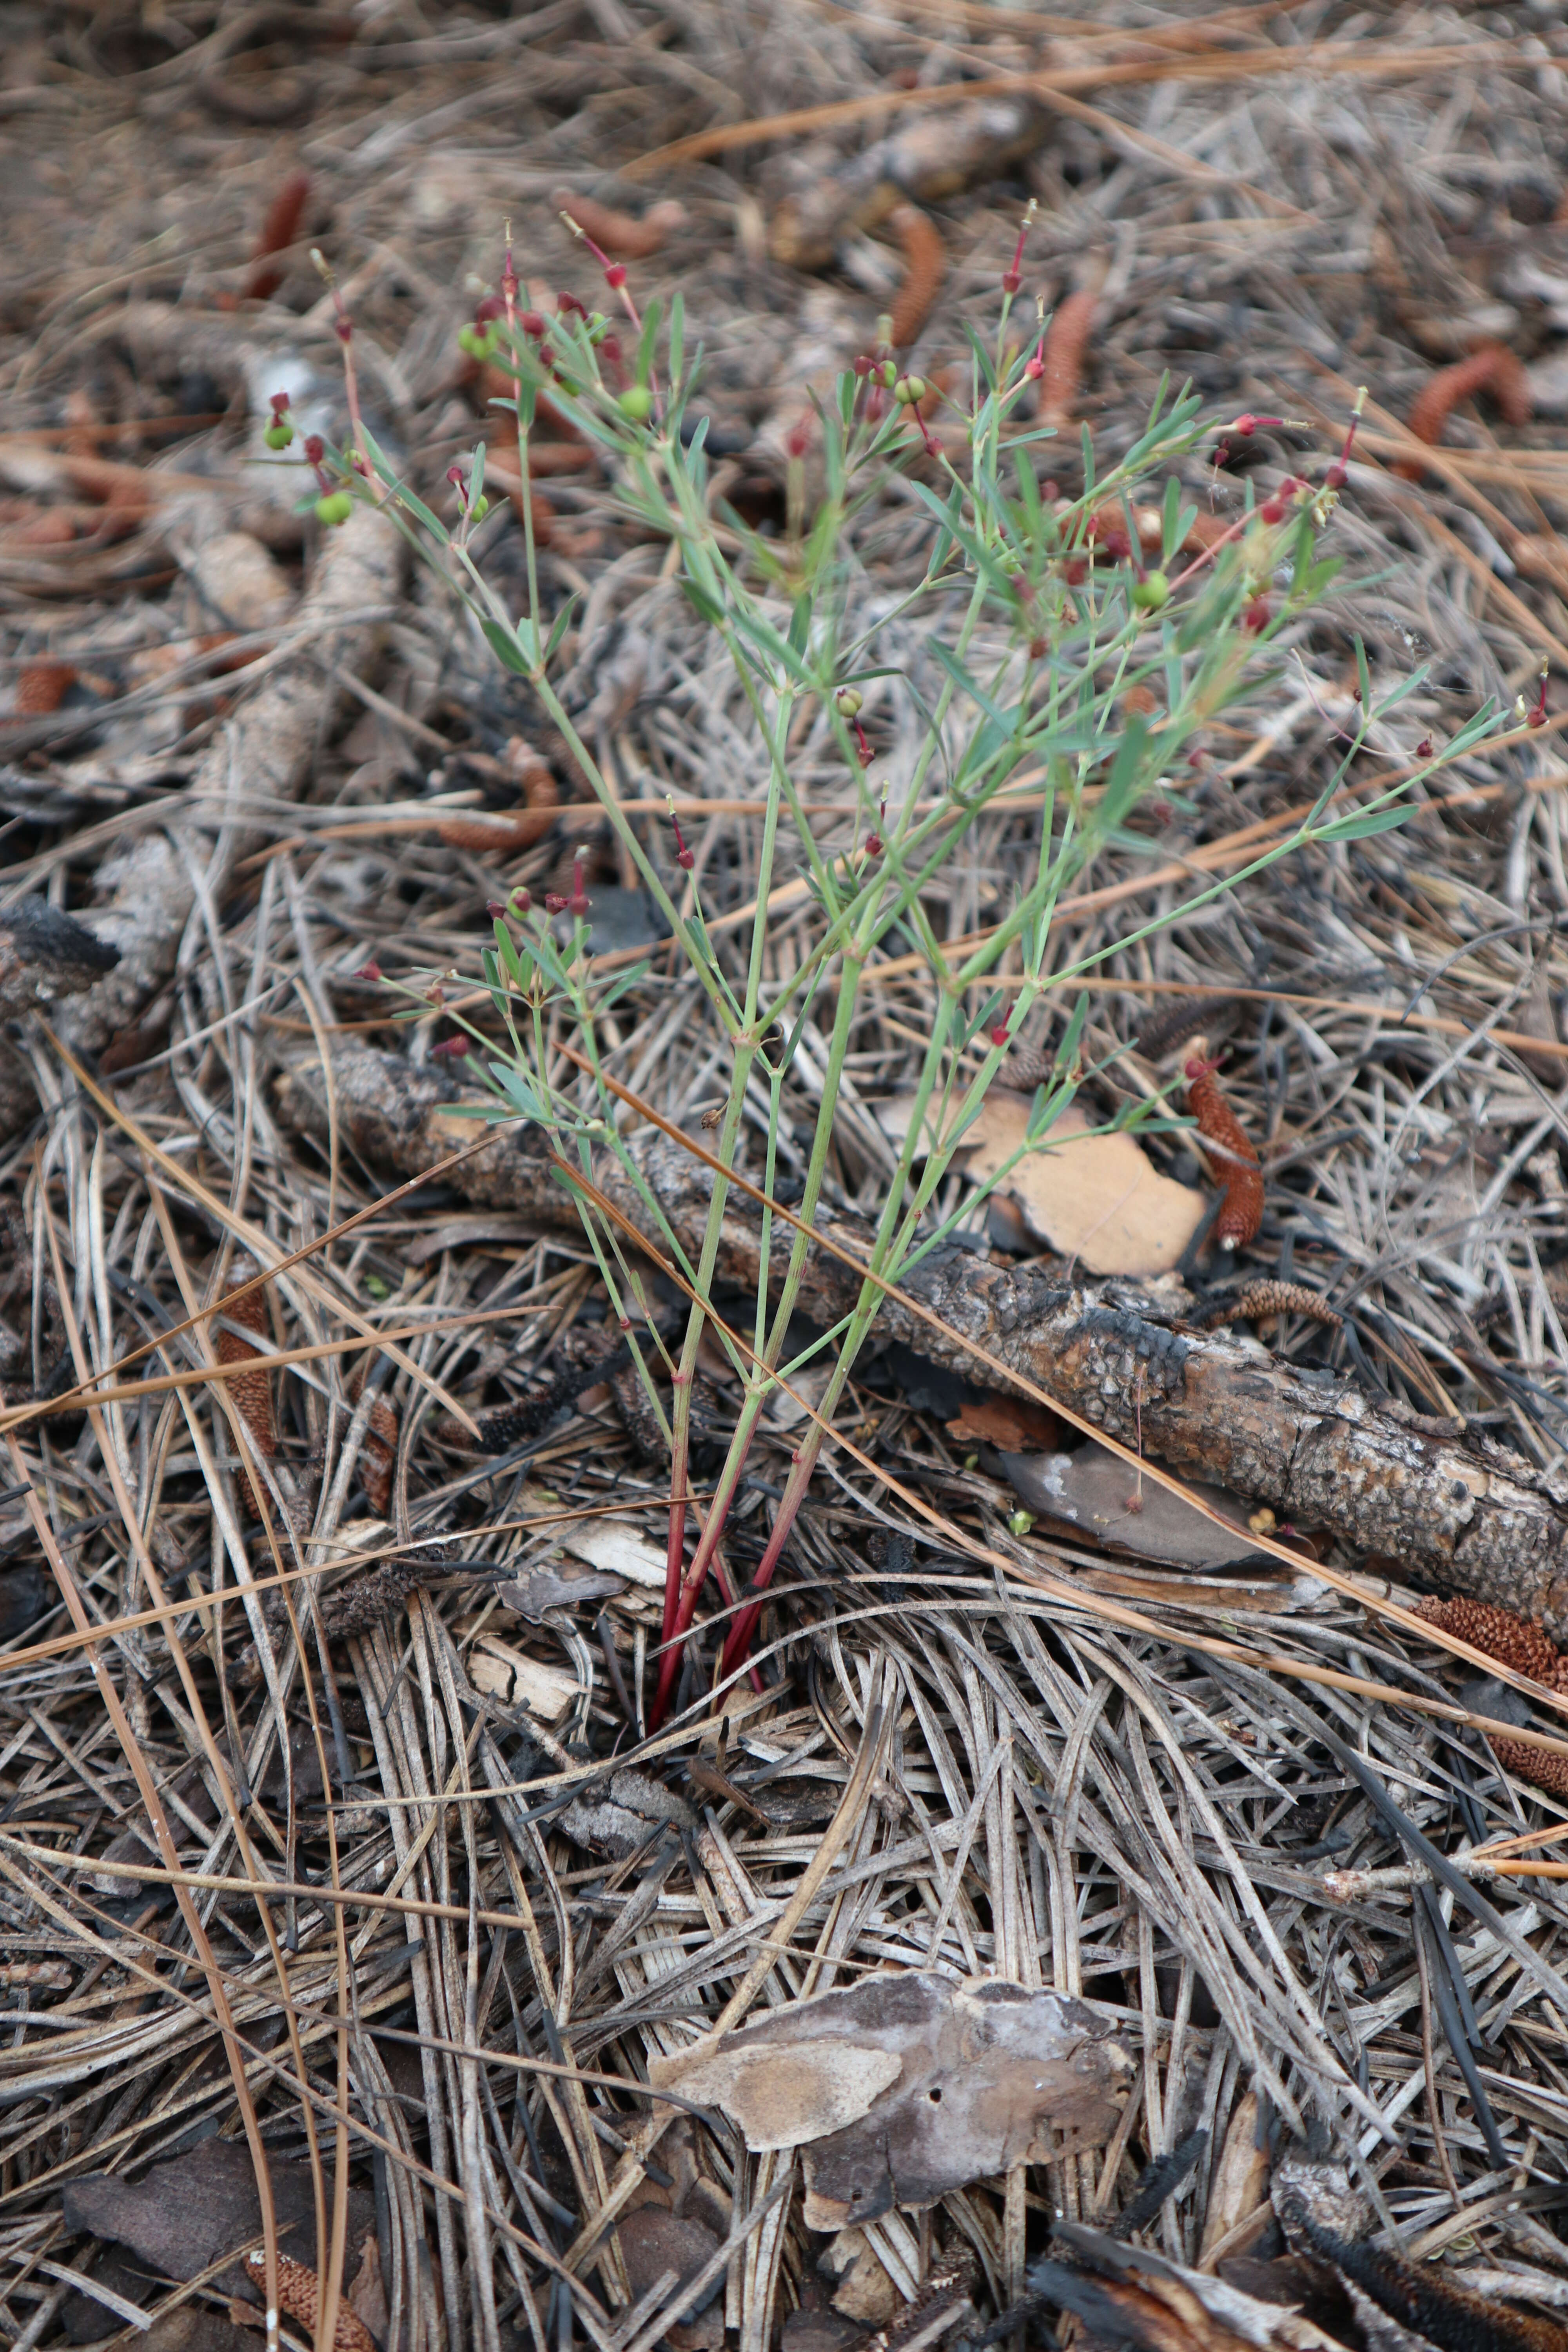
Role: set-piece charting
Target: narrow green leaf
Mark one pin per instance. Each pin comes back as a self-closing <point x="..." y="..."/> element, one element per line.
<point x="504" y="645"/>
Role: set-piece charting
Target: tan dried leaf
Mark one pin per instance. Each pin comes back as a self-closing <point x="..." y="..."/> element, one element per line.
<point x="1098" y="1198"/>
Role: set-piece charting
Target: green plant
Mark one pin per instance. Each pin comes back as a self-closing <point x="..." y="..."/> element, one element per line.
<point x="1043" y="617"/>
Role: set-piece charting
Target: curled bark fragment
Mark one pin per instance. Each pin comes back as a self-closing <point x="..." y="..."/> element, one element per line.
<point x="504" y="834"/>
<point x="1493" y="368"/>
<point x="623" y="236"/>
<point x="1468" y="1516"/>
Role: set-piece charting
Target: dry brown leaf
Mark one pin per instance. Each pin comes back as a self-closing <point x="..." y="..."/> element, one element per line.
<point x="1098" y="1198"/>
<point x="1094" y="1489"/>
<point x="903" y="2087"/>
<point x="1012" y="1424"/>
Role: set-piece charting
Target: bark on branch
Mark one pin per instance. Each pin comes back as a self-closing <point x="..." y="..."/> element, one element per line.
<point x="1467" y="1517"/>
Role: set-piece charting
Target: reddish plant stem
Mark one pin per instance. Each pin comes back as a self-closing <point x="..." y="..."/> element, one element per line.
<point x="738" y="1640"/>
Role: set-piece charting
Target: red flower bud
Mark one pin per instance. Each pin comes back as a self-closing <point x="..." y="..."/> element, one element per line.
<point x="495" y="906"/>
<point x="797" y="440"/>
<point x="873" y="845"/>
<point x="1076" y="572"/>
<point x="490" y="307"/>
<point x="531" y="321"/>
<point x="279" y="403"/>
<point x="370" y="970"/>
<point x="999" y="1034"/>
<point x="554" y="904"/>
<point x="315" y="449"/>
<point x="616" y="276"/>
<point x="452" y="1049"/>
<point x="1337" y="477"/>
<point x="577" y="904"/>
<point x="569" y="306"/>
<point x="521" y="900"/>
<point x="1257" y="617"/>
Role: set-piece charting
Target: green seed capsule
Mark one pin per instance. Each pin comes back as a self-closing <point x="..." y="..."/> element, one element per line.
<point x="889" y="372"/>
<point x="1152" y="593"/>
<point x="480" y="508"/>
<point x="334" y="507"/>
<point x="909" y="389"/>
<point x="850" y="701"/>
<point x="279" y="435"/>
<point x="637" y="403"/>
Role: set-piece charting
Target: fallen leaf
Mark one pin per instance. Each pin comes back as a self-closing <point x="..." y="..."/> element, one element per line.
<point x="1095" y="1490"/>
<point x="184" y="2216"/>
<point x="1097" y="1199"/>
<point x="903" y="2087"/>
<point x="544" y="1588"/>
<point x="808" y="2330"/>
<point x="1012" y="1424"/>
<point x="367" y="2291"/>
<point x="653" y="2241"/>
<point x="788" y="2098"/>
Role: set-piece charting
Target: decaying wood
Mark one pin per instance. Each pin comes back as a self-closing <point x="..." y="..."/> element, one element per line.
<point x="152" y="883"/>
<point x="1469" y="1516"/>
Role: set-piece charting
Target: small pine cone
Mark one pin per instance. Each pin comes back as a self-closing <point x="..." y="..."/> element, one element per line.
<point x="1235" y="1162"/>
<point x="1498" y="1634"/>
<point x="1515" y="1643"/>
<point x="1260" y="1299"/>
<point x="299" y="2298"/>
<point x="251" y="1392"/>
<point x="1213" y="1017"/>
